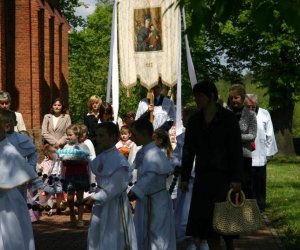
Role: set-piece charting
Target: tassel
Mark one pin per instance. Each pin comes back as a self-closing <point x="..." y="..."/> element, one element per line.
<point x="127" y="93"/>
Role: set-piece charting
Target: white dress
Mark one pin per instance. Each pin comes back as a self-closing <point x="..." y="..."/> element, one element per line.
<point x="111" y="225"/>
<point x="163" y="113"/>
<point x="15" y="225"/>
<point x="154" y="219"/>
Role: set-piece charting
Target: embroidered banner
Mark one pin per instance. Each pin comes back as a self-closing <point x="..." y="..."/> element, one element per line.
<point x="148" y="42"/>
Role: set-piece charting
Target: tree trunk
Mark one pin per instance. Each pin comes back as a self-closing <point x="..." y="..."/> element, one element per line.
<point x="282" y="119"/>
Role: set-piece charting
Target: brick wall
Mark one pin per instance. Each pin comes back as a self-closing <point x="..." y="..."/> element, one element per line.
<point x="33" y="58"/>
<point x="2" y="45"/>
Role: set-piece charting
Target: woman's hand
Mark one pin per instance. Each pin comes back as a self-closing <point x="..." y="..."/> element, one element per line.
<point x="236" y="186"/>
<point x="151" y="107"/>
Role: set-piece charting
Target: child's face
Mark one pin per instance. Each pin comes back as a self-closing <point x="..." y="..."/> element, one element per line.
<point x="71" y="137"/>
<point x="125" y="135"/>
<point x="104" y="140"/>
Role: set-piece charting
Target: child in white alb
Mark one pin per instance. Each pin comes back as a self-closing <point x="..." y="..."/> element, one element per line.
<point x="111" y="225"/>
<point x="154" y="219"/>
<point x="15" y="225"/>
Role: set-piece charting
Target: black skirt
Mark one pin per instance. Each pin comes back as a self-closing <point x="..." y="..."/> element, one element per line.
<point x="208" y="188"/>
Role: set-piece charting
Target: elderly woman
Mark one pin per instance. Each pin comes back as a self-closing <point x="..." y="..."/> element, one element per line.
<point x="55" y="124"/>
<point x="5" y="102"/>
<point x="248" y="127"/>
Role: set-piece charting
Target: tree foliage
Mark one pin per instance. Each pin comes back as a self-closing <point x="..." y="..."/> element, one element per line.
<point x="68" y="9"/>
<point x="257" y="36"/>
<point x="206" y="12"/>
<point x="89" y="60"/>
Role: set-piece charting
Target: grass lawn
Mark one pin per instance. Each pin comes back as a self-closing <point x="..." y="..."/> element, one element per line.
<point x="283" y="199"/>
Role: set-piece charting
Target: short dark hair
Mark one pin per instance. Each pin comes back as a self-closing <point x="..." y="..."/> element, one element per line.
<point x="206" y="87"/>
<point x="110" y="127"/>
<point x="143" y="126"/>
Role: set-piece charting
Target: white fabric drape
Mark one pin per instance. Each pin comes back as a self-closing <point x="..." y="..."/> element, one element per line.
<point x="190" y="64"/>
<point x="113" y="73"/>
<point x="144" y="18"/>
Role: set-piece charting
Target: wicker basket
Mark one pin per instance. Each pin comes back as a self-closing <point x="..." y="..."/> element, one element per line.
<point x="231" y="219"/>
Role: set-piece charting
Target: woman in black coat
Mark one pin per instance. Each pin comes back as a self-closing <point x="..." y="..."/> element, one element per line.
<point x="213" y="137"/>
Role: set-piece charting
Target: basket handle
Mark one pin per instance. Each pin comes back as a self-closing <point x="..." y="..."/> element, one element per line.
<point x="243" y="198"/>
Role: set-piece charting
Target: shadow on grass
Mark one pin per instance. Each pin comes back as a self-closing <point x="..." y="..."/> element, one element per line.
<point x="286" y="159"/>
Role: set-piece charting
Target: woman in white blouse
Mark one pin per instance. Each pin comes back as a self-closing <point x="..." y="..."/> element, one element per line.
<point x="55" y="124"/>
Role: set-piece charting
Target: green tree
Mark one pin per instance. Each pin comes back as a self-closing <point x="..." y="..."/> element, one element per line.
<point x="256" y="36"/>
<point x="205" y="12"/>
<point x="67" y="7"/>
<point x="89" y="60"/>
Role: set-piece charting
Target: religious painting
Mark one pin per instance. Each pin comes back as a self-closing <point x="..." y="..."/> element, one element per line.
<point x="147" y="29"/>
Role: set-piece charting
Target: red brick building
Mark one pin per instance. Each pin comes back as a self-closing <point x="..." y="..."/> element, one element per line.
<point x="33" y="57"/>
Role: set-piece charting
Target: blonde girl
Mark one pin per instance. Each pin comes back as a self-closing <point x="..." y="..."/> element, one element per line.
<point x="75" y="156"/>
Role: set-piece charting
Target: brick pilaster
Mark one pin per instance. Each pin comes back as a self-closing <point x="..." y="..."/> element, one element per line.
<point x="2" y="46"/>
<point x="23" y="59"/>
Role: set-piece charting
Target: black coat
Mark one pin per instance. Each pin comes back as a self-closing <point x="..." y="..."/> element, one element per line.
<point x="218" y="151"/>
<point x="91" y="122"/>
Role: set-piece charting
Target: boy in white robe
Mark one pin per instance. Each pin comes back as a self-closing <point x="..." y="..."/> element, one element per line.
<point x="111" y="225"/>
<point x="154" y="219"/>
<point x="15" y="225"/>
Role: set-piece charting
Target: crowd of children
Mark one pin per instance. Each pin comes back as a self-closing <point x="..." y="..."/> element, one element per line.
<point x="135" y="165"/>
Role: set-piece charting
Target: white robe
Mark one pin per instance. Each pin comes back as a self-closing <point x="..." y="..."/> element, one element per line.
<point x="111" y="219"/>
<point x="153" y="169"/>
<point x="163" y="113"/>
<point x="15" y="225"/>
<point x="265" y="143"/>
<point x="183" y="202"/>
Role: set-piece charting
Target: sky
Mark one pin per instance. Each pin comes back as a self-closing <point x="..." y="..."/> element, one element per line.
<point x="84" y="12"/>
